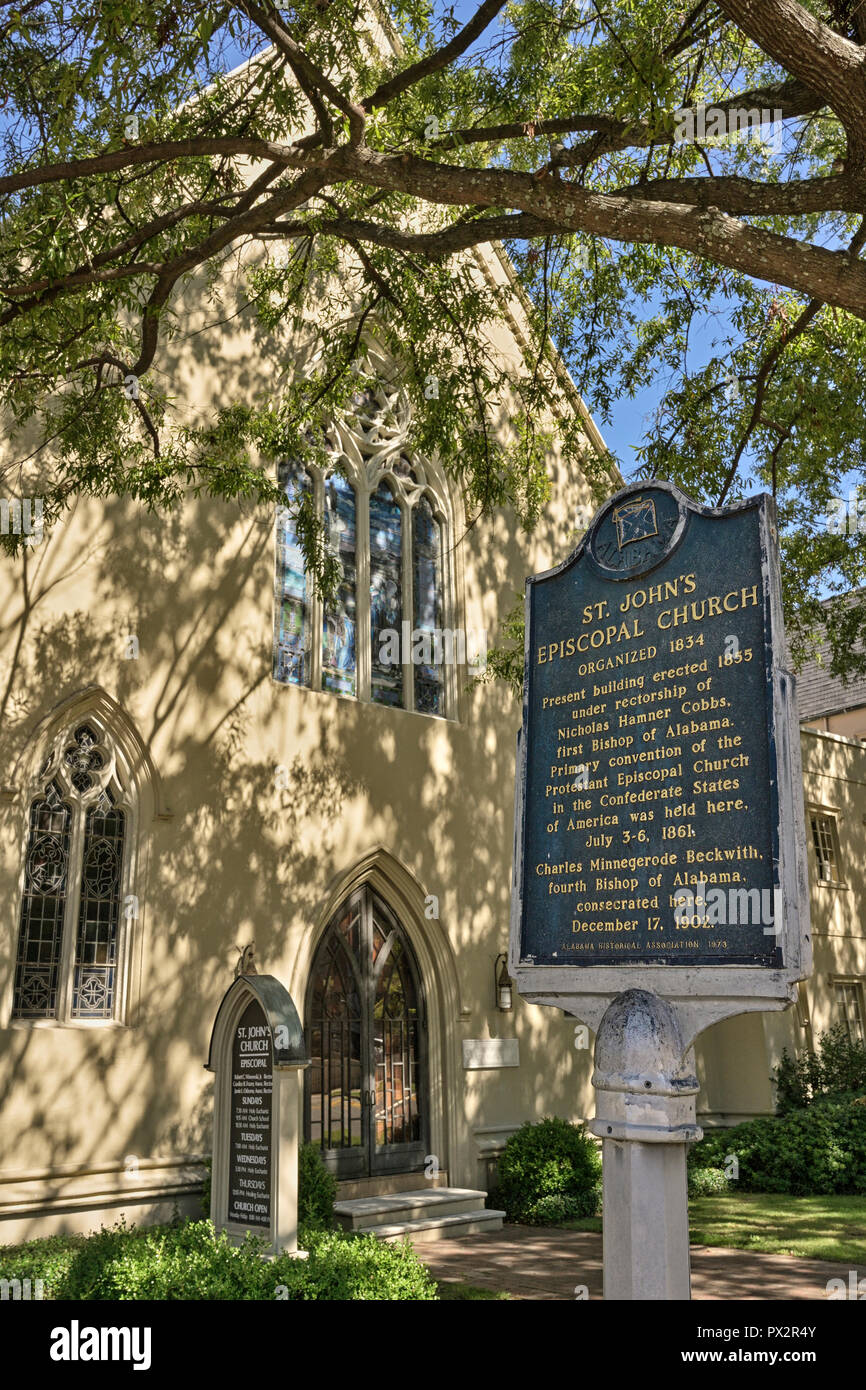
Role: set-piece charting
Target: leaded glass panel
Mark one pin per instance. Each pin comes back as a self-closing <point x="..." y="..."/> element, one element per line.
<point x="396" y="1051"/>
<point x="40" y="933"/>
<point x="427" y="650"/>
<point x="386" y="597"/>
<point x="291" y="637"/>
<point x="339" y="624"/>
<point x="83" y="758"/>
<point x="99" y="911"/>
<point x="335" y="1053"/>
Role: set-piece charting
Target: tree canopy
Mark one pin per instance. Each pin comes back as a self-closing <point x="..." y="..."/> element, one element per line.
<point x="681" y="189"/>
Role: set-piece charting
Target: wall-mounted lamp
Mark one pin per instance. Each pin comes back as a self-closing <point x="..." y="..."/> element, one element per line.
<point x="503" y="986"/>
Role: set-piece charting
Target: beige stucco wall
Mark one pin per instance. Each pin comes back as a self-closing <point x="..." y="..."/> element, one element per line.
<point x="850" y="722"/>
<point x="736" y="1058"/>
<point x="96" y="1117"/>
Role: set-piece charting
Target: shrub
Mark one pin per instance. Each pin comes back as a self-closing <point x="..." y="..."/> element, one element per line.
<point x="836" y="1067"/>
<point x="206" y="1185"/>
<point x="192" y="1262"/>
<point x="561" y="1206"/>
<point x="161" y="1262"/>
<point x="707" y="1182"/>
<point x="549" y="1159"/>
<point x="817" y="1150"/>
<point x="48" y="1259"/>
<point x="343" y="1266"/>
<point x="317" y="1188"/>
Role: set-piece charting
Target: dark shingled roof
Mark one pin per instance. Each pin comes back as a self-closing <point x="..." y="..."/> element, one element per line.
<point x="819" y="693"/>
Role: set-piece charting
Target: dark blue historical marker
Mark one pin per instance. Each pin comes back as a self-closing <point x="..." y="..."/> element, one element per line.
<point x="648" y="821"/>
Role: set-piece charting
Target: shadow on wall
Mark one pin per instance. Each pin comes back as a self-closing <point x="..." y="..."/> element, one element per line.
<point x="242" y="856"/>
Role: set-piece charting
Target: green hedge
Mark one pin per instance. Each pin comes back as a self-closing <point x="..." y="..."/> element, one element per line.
<point x="708" y="1182"/>
<point x="836" y="1067"/>
<point x="191" y="1262"/>
<point x="549" y="1172"/>
<point x="317" y="1188"/>
<point x="815" y="1151"/>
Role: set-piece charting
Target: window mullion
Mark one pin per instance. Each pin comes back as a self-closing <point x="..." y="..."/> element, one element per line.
<point x="448" y="588"/>
<point x="408" y="604"/>
<point x="315" y="599"/>
<point x="68" y="941"/>
<point x="362" y="590"/>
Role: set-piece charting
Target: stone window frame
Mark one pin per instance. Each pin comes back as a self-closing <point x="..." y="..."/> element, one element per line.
<point x="830" y="815"/>
<point x="856" y="983"/>
<point x="369" y="444"/>
<point x="115" y="777"/>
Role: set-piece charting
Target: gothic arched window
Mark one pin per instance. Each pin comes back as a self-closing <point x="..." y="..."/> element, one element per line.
<point x="72" y="904"/>
<point x="386" y="636"/>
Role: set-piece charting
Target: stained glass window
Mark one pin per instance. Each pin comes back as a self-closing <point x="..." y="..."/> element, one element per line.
<point x="83" y="758"/>
<point x="382" y="519"/>
<point x="386" y="597"/>
<point x="291" y="637"/>
<point x="99" y="911"/>
<point x="339" y="623"/>
<point x="40" y="935"/>
<point x="427" y="655"/>
<point x="69" y="923"/>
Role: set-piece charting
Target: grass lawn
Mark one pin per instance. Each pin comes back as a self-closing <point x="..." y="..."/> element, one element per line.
<point x="456" y="1290"/>
<point x="819" y="1228"/>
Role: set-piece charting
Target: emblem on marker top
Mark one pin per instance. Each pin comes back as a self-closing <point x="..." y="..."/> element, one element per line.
<point x="634" y="533"/>
<point x="635" y="521"/>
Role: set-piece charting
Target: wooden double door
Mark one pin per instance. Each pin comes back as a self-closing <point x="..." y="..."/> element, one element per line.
<point x="366" y="1025"/>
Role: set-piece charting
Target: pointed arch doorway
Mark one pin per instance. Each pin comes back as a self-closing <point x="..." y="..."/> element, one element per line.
<point x="366" y="1090"/>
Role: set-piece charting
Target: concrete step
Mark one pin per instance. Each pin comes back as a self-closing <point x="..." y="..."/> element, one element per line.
<point x="392" y="1208"/>
<point x="384" y="1186"/>
<point x="465" y="1223"/>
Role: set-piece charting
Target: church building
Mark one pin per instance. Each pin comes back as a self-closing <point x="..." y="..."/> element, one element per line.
<point x="205" y="770"/>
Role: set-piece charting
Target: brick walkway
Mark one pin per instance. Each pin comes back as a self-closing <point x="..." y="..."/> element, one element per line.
<point x="542" y="1263"/>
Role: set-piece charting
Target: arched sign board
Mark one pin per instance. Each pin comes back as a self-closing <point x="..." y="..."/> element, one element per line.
<point x="659" y="839"/>
<point x="257" y="1054"/>
<point x="660" y="858"/>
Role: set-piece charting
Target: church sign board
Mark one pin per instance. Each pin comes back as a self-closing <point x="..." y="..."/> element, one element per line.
<point x="659" y="836"/>
<point x="252" y="1087"/>
<point x="257" y="1054"/>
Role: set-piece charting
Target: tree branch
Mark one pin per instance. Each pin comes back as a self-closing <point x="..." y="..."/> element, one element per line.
<point x="811" y="51"/>
<point x="833" y="276"/>
<point x="69" y="170"/>
<point x="434" y="62"/>
<point x="311" y="79"/>
<point x="785" y="99"/>
<point x="731" y="193"/>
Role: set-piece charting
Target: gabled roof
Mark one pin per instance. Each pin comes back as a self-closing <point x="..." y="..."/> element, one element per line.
<point x="820" y="693"/>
